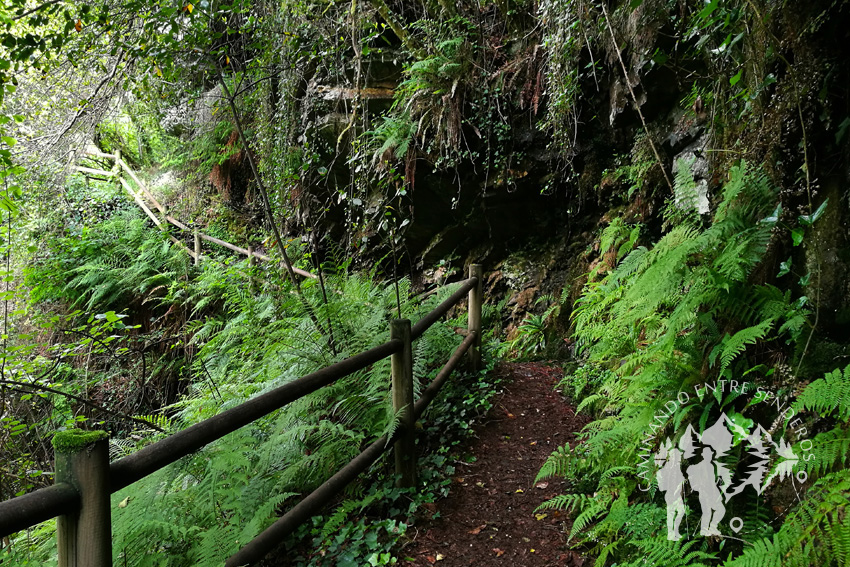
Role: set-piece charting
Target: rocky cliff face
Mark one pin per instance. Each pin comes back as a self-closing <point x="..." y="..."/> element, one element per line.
<point x="519" y="137"/>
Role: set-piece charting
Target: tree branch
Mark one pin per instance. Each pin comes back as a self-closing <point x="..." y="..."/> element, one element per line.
<point x="397" y="28"/>
<point x="634" y="100"/>
<point x="16" y="385"/>
<point x="99" y="86"/>
<point x="37" y="9"/>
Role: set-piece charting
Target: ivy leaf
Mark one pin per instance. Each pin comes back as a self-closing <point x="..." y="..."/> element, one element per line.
<point x="797" y="236"/>
<point x="741" y="427"/>
<point x="774" y="216"/>
<point x="809" y="220"/>
<point x="784" y="268"/>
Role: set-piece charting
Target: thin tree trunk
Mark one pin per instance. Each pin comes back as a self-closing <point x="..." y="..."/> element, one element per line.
<point x="267" y="204"/>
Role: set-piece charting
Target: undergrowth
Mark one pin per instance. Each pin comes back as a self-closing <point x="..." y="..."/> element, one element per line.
<point x="681" y="319"/>
<point x="202" y="509"/>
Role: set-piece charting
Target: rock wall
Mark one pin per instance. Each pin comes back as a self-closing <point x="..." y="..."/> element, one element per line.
<point x="774" y="93"/>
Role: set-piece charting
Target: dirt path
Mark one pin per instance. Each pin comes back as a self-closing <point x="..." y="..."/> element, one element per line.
<point x="488" y="518"/>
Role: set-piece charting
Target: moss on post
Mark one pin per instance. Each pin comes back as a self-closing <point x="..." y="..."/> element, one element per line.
<point x="84" y="537"/>
<point x="74" y="440"/>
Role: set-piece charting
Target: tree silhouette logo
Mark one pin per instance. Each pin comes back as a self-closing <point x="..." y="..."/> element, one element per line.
<point x="696" y="460"/>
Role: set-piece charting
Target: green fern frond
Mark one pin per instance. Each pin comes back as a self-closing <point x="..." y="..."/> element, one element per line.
<point x="828" y="395"/>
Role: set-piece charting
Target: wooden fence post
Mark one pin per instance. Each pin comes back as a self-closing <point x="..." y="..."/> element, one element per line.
<point x="82" y="460"/>
<point x="197" y="248"/>
<point x="474" y="321"/>
<point x="402" y="367"/>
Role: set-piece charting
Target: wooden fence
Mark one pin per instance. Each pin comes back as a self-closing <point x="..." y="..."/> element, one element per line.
<point x="85" y="478"/>
<point x="143" y="191"/>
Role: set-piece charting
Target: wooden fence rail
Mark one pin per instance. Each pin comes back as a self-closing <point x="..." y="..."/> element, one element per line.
<point x="86" y="482"/>
<point x="120" y="165"/>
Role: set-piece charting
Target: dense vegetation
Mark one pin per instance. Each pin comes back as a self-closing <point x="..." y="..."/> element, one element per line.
<point x="656" y="188"/>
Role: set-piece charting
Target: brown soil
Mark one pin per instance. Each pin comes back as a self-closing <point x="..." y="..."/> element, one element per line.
<point x="489" y="517"/>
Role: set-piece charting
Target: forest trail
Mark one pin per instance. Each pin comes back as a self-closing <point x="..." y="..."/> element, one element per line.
<point x="489" y="516"/>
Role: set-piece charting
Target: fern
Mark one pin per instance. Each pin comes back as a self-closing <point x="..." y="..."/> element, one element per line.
<point x="816" y="533"/>
<point x="828" y="395"/>
<point x="234" y="488"/>
<point x="732" y="346"/>
<point x="667" y="317"/>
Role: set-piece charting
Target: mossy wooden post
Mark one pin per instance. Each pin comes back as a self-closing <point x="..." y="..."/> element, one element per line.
<point x="402" y="367"/>
<point x="82" y="460"/>
<point x="197" y="248"/>
<point x="474" y="321"/>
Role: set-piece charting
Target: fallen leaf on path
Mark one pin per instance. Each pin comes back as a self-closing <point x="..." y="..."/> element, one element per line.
<point x="440" y="557"/>
<point x="519" y="490"/>
<point x="477" y="530"/>
<point x="499" y="552"/>
<point x="541" y="485"/>
<point x="479" y="484"/>
<point x="430" y="559"/>
<point x="540" y="516"/>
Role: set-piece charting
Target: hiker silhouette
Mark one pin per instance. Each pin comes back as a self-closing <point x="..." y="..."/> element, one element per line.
<point x="671" y="481"/>
<point x="703" y="479"/>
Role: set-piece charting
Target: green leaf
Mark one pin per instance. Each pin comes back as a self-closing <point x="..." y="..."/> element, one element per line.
<point x="741" y="427"/>
<point x="784" y="268"/>
<point x="708" y="10"/>
<point x="808" y="220"/>
<point x="797" y="236"/>
<point x="842" y="130"/>
<point x="734" y="80"/>
<point x="774" y="216"/>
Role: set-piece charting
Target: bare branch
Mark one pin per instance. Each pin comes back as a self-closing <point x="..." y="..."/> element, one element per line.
<point x="16" y="385"/>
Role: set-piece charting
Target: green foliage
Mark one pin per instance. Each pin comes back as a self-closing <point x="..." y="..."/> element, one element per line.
<point x="73" y="440"/>
<point x="120" y="135"/>
<point x="289" y="452"/>
<point x="829" y="395"/>
<point x="106" y="267"/>
<point x="200" y="508"/>
<point x="829" y="398"/>
<point x="566" y="31"/>
<point x="530" y="337"/>
<point x="213" y="148"/>
<point x="666" y="318"/>
<point x="815" y="533"/>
